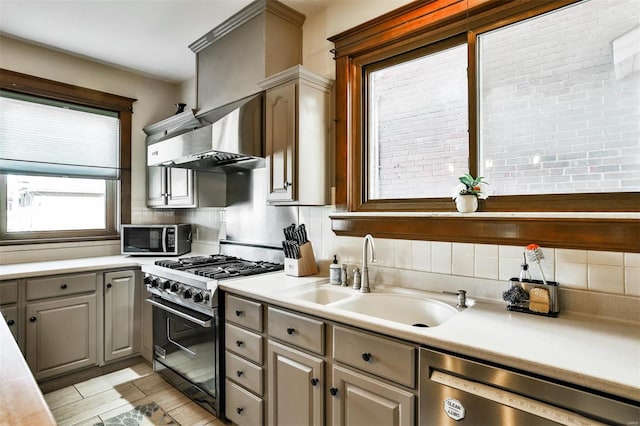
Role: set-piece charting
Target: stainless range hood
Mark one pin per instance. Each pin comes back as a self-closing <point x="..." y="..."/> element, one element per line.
<point x="230" y="139"/>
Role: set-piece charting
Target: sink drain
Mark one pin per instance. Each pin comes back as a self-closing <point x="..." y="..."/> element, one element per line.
<point x="420" y="325"/>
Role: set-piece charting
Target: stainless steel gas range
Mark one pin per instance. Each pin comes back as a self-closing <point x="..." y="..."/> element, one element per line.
<point x="187" y="332"/>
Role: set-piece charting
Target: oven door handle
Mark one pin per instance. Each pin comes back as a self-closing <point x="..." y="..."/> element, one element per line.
<point x="187" y="350"/>
<point x="181" y="314"/>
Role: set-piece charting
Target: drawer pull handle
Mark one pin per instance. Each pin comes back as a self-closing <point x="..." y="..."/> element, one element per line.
<point x="366" y="356"/>
<point x="10" y="322"/>
<point x="290" y="331"/>
<point x="109" y="285"/>
<point x="314" y="381"/>
<point x="239" y="313"/>
<point x="63" y="286"/>
<point x="239" y="410"/>
<point x="333" y="391"/>
<point x="239" y="343"/>
<point x="239" y="373"/>
<point x="33" y="319"/>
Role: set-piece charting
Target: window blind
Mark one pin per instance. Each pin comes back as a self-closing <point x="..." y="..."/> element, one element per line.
<point x="43" y="137"/>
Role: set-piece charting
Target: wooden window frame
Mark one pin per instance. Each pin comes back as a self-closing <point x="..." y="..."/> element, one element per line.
<point x="596" y="221"/>
<point x="121" y="208"/>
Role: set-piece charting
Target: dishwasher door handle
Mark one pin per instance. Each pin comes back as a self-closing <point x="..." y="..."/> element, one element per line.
<point x="513" y="400"/>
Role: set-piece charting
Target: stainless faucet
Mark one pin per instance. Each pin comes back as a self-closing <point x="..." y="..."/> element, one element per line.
<point x="368" y="240"/>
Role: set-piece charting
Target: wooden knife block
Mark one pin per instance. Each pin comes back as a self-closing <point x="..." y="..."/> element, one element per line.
<point x="304" y="266"/>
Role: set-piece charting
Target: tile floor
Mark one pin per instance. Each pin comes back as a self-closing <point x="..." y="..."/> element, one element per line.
<point x="103" y="397"/>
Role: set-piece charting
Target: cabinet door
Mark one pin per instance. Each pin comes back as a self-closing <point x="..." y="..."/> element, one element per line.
<point x="156" y="186"/>
<point x="10" y="315"/>
<point x="146" y="325"/>
<point x="181" y="188"/>
<point x="296" y="387"/>
<point x="281" y="143"/>
<point x="121" y="319"/>
<point x="61" y="335"/>
<point x="362" y="401"/>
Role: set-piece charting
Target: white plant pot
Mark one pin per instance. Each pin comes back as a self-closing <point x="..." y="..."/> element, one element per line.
<point x="467" y="203"/>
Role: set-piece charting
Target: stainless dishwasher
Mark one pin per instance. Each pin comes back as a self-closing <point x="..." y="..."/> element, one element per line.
<point x="456" y="391"/>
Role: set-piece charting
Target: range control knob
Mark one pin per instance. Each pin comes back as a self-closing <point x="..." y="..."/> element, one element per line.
<point x="175" y="287"/>
<point x="155" y="283"/>
<point x="166" y="285"/>
<point x="187" y="294"/>
<point x="148" y="279"/>
<point x="197" y="297"/>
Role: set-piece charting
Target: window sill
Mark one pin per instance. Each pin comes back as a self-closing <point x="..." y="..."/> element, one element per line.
<point x="9" y="242"/>
<point x="571" y="230"/>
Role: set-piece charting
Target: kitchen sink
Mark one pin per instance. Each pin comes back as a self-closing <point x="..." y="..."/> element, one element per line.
<point x="409" y="309"/>
<point x="323" y="294"/>
<point x="406" y="309"/>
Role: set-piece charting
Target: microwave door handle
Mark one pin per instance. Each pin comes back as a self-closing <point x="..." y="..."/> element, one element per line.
<point x="164" y="239"/>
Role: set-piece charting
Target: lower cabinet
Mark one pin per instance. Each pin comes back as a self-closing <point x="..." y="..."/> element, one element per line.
<point x="244" y="359"/>
<point x="9" y="307"/>
<point x="362" y="400"/>
<point x="296" y="387"/>
<point x="317" y="372"/>
<point x="61" y="335"/>
<point x="121" y="315"/>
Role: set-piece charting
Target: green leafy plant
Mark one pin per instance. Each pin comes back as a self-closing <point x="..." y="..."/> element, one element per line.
<point x="471" y="186"/>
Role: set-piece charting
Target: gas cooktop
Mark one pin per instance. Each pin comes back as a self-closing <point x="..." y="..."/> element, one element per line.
<point x="219" y="266"/>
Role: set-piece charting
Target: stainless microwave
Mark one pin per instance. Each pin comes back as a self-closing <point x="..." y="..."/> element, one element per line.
<point x="155" y="240"/>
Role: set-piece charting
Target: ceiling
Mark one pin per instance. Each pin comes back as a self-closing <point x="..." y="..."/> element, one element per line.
<point x="146" y="36"/>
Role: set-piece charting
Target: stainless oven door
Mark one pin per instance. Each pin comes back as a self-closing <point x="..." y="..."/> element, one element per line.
<point x="185" y="342"/>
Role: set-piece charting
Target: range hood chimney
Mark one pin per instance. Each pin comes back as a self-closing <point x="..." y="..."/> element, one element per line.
<point x="229" y="140"/>
<point x="262" y="39"/>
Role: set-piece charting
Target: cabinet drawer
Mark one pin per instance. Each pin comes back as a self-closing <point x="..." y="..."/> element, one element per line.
<point x="385" y="358"/>
<point x="300" y="331"/>
<point x="41" y="288"/>
<point x="244" y="373"/>
<point x="244" y="312"/>
<point x="243" y="342"/>
<point x="8" y="292"/>
<point x="241" y="407"/>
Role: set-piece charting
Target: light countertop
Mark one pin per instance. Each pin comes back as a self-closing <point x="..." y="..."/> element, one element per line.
<point x="598" y="353"/>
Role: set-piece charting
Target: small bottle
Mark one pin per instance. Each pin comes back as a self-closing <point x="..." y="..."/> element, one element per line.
<point x="334" y="271"/>
<point x="356" y="279"/>
<point x="343" y="275"/>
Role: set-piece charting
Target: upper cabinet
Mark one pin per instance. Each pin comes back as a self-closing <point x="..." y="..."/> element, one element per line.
<point x="176" y="187"/>
<point x="298" y="137"/>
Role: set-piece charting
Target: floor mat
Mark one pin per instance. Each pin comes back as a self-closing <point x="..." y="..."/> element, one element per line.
<point x="142" y="415"/>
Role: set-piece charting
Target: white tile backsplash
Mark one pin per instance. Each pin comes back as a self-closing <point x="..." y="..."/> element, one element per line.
<point x="441" y="257"/>
<point x="462" y="259"/>
<point x="571" y="256"/>
<point x="632" y="260"/>
<point x="632" y="281"/>
<point x="605" y="258"/>
<point x="572" y="274"/>
<point x="421" y="255"/>
<point x="608" y="279"/>
<point x="403" y="255"/>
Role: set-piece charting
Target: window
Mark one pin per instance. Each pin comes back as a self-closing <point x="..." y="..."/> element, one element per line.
<point x="64" y="161"/>
<point x="418" y="121"/>
<point x="561" y="114"/>
<point x="505" y="105"/>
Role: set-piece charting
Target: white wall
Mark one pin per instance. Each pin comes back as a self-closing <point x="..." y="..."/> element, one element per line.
<point x="155" y="101"/>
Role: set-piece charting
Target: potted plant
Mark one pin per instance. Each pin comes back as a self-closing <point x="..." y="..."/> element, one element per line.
<point x="468" y="191"/>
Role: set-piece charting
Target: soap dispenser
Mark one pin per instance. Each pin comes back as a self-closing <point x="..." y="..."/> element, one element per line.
<point x="335" y="271"/>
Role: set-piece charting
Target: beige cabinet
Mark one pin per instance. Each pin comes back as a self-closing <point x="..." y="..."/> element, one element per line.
<point x="362" y="400"/>
<point x="121" y="314"/>
<point x="184" y="188"/>
<point x="61" y="335"/>
<point x="298" y="137"/>
<point x="146" y="325"/>
<point x="9" y="307"/>
<point x="244" y="361"/>
<point x="296" y="387"/>
<point x="61" y="326"/>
